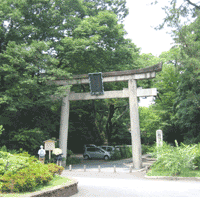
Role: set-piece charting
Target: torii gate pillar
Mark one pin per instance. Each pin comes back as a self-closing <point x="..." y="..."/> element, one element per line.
<point x="64" y="124"/>
<point x="135" y="126"/>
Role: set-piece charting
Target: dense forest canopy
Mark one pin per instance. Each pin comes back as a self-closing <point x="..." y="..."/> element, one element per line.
<point x="67" y="37"/>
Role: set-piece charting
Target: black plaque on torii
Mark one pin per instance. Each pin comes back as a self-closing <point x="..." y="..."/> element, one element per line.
<point x="96" y="83"/>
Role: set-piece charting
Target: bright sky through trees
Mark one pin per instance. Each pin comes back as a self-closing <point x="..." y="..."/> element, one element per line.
<point x="140" y="23"/>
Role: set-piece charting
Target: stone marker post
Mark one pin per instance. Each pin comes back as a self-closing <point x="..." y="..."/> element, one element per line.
<point x="159" y="138"/>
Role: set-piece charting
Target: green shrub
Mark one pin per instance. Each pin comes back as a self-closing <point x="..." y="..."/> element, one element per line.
<point x="23" y="173"/>
<point x="4" y="148"/>
<point x="3" y="163"/>
<point x="116" y="155"/>
<point x="69" y="153"/>
<point x="51" y="160"/>
<point x="4" y="155"/>
<point x="174" y="159"/>
<point x="42" y="173"/>
<point x="20" y="161"/>
<point x="13" y="163"/>
<point x="26" y="179"/>
<point x="145" y="149"/>
<point x="17" y="162"/>
<point x="123" y="152"/>
<point x="72" y="160"/>
<point x="129" y="152"/>
<point x="55" y="169"/>
<point x="1" y="129"/>
<point x="148" y="149"/>
<point x="18" y="182"/>
<point x="196" y="160"/>
<point x="2" y="170"/>
<point x="12" y="151"/>
<point x="126" y="152"/>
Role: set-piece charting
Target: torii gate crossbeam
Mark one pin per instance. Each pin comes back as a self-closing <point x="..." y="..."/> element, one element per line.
<point x="132" y="92"/>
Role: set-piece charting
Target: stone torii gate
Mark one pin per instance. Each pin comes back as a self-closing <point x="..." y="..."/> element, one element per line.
<point x="132" y="92"/>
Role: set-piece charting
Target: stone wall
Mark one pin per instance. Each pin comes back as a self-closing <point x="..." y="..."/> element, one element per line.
<point x="65" y="190"/>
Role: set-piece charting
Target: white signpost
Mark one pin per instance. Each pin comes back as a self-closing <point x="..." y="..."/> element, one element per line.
<point x="132" y="92"/>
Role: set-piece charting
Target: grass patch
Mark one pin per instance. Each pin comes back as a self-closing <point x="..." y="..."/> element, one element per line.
<point x="186" y="173"/>
<point x="57" y="180"/>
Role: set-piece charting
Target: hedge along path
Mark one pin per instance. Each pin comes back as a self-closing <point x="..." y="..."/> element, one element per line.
<point x="28" y="178"/>
<point x="57" y="181"/>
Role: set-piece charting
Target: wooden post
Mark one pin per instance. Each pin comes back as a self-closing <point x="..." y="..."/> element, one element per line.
<point x="135" y="126"/>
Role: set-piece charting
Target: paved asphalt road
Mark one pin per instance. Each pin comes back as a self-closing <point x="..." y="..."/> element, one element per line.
<point x="133" y="187"/>
<point x="108" y="166"/>
<point x="124" y="184"/>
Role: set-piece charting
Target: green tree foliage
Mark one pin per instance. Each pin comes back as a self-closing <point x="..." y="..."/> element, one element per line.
<point x="147" y="60"/>
<point x="150" y="121"/>
<point x="44" y="40"/>
<point x="25" y="54"/>
<point x="187" y="105"/>
<point x="97" y="44"/>
<point x="183" y="18"/>
<point x="166" y="83"/>
<point x="28" y="139"/>
<point x="1" y="129"/>
<point x="118" y="122"/>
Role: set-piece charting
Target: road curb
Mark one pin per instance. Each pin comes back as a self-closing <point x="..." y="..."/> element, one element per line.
<point x="172" y="178"/>
<point x="140" y="170"/>
<point x="64" y="190"/>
